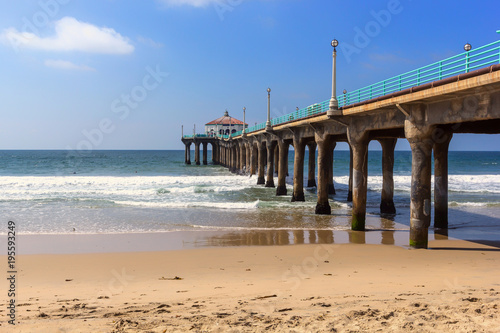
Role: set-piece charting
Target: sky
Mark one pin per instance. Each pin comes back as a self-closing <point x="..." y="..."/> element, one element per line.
<point x="124" y="74"/>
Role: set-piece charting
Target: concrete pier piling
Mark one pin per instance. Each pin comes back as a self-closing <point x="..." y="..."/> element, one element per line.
<point x="187" y="153"/>
<point x="236" y="158"/>
<point x="243" y="158"/>
<point x="276" y="159"/>
<point x="359" y="140"/>
<point x="442" y="142"/>
<point x="323" y="143"/>
<point x="311" y="178"/>
<point x="283" y="147"/>
<point x="248" y="158"/>
<point x="271" y="145"/>
<point x="223" y="156"/>
<point x="205" y="153"/>
<point x="349" y="191"/>
<point x="232" y="158"/>
<point x="298" y="167"/>
<point x="254" y="154"/>
<point x="419" y="135"/>
<point x="261" y="167"/>
<point x="331" y="186"/>
<point x="197" y="153"/>
<point x="387" y="200"/>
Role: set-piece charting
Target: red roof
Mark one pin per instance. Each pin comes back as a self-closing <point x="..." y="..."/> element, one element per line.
<point x="225" y="120"/>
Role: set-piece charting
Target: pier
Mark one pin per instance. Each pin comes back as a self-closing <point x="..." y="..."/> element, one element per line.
<point x="426" y="106"/>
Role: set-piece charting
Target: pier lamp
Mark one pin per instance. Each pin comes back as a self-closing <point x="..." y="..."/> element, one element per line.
<point x="334" y="104"/>
<point x="345" y="96"/>
<point x="268" y="122"/>
<point x="467" y="48"/>
<point x="182" y="130"/>
<point x="230" y="127"/>
<point x="243" y="132"/>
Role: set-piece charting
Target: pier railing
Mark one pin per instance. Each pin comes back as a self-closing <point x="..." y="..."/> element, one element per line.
<point x="459" y="64"/>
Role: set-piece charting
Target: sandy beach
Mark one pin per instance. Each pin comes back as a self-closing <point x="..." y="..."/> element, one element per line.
<point x="452" y="287"/>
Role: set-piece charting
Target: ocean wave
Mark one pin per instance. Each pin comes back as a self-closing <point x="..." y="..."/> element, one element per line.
<point x="197" y="204"/>
<point x="37" y="187"/>
<point x="118" y="181"/>
<point x="456" y="183"/>
<point x="473" y="204"/>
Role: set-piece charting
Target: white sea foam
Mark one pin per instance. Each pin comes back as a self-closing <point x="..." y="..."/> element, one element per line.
<point x="190" y="191"/>
<point x="474" y="204"/>
<point x="456" y="183"/>
<point x="199" y="204"/>
<point x="142" y="188"/>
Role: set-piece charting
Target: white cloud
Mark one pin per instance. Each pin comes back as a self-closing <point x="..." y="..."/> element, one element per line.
<point x="68" y="65"/>
<point x="150" y="42"/>
<point x="194" y="3"/>
<point x="72" y="35"/>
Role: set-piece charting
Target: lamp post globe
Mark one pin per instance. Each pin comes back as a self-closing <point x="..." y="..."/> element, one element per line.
<point x="244" y="124"/>
<point x="334" y="104"/>
<point x="467" y="48"/>
<point x="268" y="122"/>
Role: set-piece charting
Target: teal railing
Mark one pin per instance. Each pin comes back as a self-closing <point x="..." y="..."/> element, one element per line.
<point x="195" y="136"/>
<point x="459" y="64"/>
<point x="206" y="136"/>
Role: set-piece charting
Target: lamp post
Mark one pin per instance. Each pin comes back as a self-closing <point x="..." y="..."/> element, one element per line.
<point x="230" y="127"/>
<point x="467" y="48"/>
<point x="243" y="132"/>
<point x="268" y="122"/>
<point x="182" y="131"/>
<point x="345" y="96"/>
<point x="334" y="104"/>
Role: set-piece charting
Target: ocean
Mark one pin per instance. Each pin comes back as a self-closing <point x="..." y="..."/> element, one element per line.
<point x="110" y="192"/>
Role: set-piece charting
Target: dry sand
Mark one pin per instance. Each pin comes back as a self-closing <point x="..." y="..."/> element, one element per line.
<point x="453" y="287"/>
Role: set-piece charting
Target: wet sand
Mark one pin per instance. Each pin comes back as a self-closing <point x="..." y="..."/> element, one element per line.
<point x="317" y="287"/>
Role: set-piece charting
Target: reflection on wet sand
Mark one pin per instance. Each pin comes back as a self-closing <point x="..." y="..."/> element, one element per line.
<point x="381" y="230"/>
<point x="293" y="237"/>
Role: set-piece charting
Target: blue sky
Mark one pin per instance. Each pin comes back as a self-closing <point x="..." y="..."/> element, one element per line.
<point x="118" y="74"/>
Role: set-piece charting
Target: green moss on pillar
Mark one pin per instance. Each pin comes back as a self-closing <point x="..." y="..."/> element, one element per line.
<point x="358" y="222"/>
<point x="419" y="238"/>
